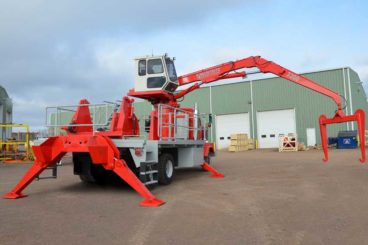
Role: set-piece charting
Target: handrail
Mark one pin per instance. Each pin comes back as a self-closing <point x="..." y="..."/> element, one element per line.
<point x="174" y="126"/>
<point x="99" y="113"/>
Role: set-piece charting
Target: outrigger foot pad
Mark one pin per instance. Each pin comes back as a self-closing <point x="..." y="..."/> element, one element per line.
<point x="214" y="172"/>
<point x="12" y="195"/>
<point x="152" y="203"/>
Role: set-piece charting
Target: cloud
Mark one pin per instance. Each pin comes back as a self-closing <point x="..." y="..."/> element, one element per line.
<point x="32" y="109"/>
<point x="363" y="74"/>
<point x="361" y="65"/>
<point x="313" y="57"/>
<point x="84" y="16"/>
<point x="111" y="57"/>
<point x="56" y="52"/>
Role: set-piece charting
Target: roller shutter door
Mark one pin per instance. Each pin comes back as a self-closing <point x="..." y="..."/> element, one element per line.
<point x="230" y="124"/>
<point x="272" y="123"/>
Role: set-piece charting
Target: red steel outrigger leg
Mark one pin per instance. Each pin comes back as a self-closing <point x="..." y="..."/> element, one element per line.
<point x="340" y="117"/>
<point x="213" y="171"/>
<point x="34" y="171"/>
<point x="45" y="156"/>
<point x="102" y="151"/>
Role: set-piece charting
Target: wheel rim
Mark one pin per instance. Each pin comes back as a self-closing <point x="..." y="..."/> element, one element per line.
<point x="169" y="168"/>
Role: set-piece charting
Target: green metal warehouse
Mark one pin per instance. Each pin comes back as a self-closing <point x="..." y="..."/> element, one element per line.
<point x="265" y="108"/>
<point x="6" y="112"/>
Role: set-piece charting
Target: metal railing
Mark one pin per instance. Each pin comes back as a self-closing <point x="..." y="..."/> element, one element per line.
<point x="175" y="122"/>
<point x="11" y="147"/>
<point x="60" y="116"/>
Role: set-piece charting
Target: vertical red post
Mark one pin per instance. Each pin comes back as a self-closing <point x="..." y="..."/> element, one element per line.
<point x="153" y="133"/>
<point x="323" y="130"/>
<point x="360" y="116"/>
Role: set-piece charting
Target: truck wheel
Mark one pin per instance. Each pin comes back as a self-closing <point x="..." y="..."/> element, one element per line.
<point x="97" y="175"/>
<point x="87" y="178"/>
<point x="87" y="171"/>
<point x="166" y="169"/>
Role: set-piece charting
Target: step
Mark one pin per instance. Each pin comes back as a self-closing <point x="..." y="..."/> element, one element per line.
<point x="149" y="172"/>
<point x="149" y="162"/>
<point x="149" y="175"/>
<point x="152" y="182"/>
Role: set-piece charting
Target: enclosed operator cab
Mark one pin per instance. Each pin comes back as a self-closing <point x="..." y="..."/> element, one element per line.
<point x="155" y="73"/>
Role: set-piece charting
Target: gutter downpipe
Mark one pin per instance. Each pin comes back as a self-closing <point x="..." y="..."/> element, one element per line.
<point x="346" y="109"/>
<point x="350" y="99"/>
<point x="252" y="106"/>
<point x="211" y="113"/>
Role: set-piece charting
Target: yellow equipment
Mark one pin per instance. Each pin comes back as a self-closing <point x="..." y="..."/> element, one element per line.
<point x="10" y="147"/>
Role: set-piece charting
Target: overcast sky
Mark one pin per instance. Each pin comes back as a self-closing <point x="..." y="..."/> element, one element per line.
<point x="57" y="52"/>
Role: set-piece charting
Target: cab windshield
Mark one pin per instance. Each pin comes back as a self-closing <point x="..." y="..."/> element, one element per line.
<point x="171" y="69"/>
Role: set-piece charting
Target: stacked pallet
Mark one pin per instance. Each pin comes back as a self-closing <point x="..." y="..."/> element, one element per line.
<point x="238" y="142"/>
<point x="251" y="144"/>
<point x="302" y="147"/>
<point x="288" y="142"/>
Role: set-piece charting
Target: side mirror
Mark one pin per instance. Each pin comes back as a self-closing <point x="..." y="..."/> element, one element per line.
<point x="209" y="120"/>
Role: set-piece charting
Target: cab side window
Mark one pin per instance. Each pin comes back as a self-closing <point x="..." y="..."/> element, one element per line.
<point x="142" y="67"/>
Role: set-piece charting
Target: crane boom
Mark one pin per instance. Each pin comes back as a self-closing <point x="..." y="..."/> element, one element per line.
<point x="159" y="86"/>
<point x="224" y="70"/>
<point x="230" y="70"/>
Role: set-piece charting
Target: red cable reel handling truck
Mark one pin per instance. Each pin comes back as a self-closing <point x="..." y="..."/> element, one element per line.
<point x="177" y="137"/>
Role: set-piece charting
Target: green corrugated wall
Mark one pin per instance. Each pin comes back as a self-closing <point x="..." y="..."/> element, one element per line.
<point x="278" y="94"/>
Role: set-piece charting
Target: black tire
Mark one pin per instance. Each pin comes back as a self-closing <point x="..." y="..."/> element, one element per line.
<point x="87" y="178"/>
<point x="87" y="171"/>
<point x="98" y="175"/>
<point x="166" y="169"/>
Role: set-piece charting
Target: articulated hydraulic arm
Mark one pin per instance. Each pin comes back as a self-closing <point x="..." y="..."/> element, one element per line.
<point x="229" y="70"/>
